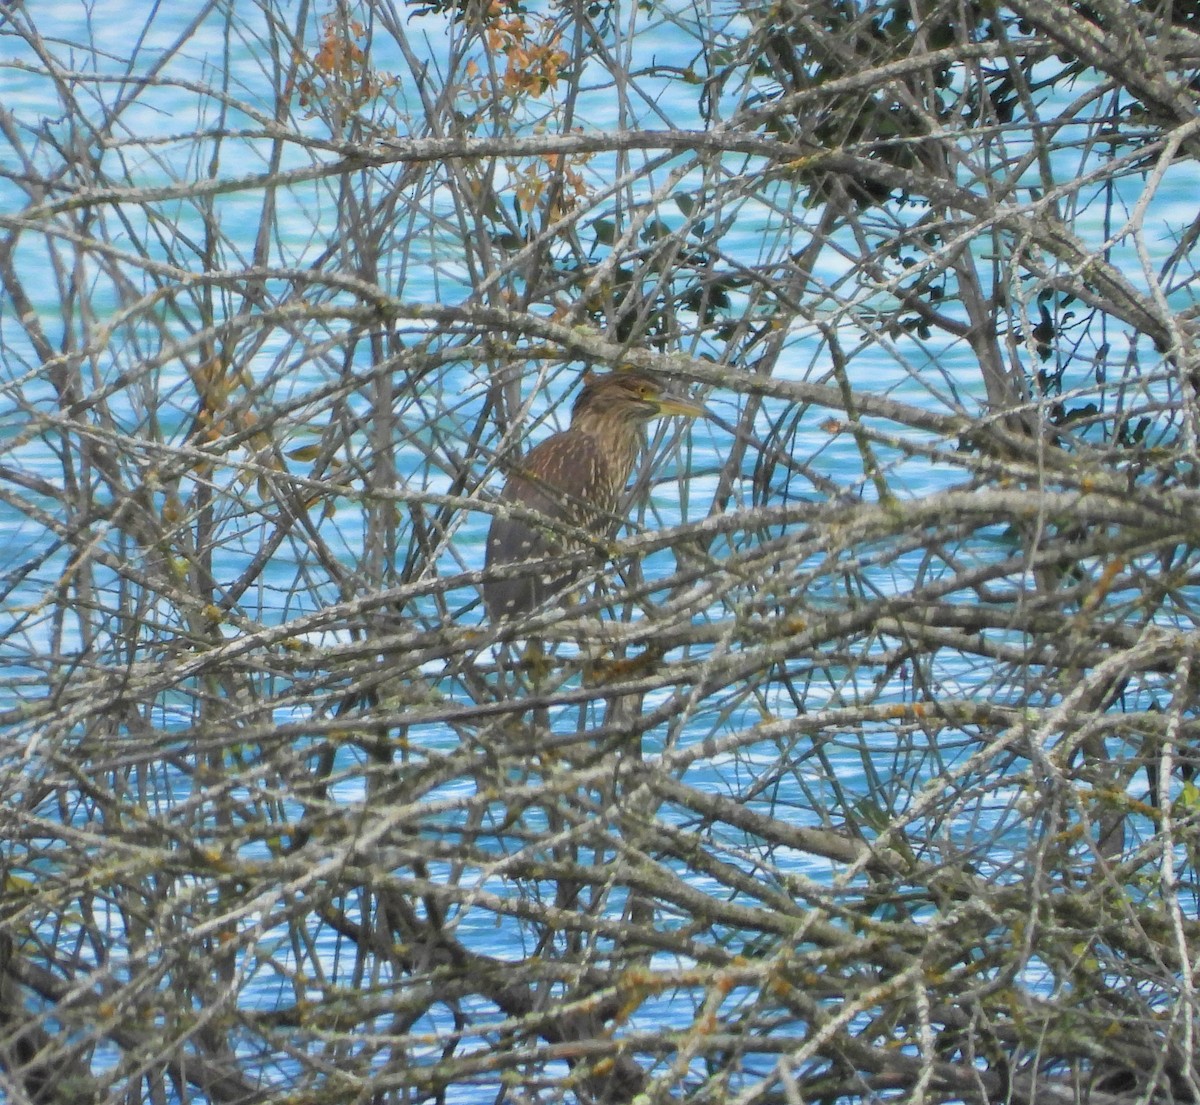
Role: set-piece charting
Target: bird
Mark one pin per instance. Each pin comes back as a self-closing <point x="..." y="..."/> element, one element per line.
<point x="575" y="479"/>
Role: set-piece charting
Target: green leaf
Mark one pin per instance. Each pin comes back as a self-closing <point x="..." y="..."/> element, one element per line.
<point x="605" y="231"/>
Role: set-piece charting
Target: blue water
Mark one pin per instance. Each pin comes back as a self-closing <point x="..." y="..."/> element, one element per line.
<point x="156" y="136"/>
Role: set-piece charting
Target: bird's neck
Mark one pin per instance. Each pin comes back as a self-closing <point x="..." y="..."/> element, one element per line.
<point x="620" y="441"/>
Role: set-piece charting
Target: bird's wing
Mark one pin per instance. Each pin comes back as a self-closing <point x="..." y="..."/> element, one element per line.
<point x="567" y="478"/>
<point x="561" y="478"/>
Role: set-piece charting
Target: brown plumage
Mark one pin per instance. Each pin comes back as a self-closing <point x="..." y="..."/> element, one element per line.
<point x="575" y="478"/>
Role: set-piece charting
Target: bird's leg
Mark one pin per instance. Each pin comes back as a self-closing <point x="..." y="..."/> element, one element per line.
<point x="522" y="674"/>
<point x="537" y="664"/>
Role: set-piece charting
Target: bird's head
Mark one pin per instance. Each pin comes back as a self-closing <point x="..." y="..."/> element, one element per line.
<point x="630" y="396"/>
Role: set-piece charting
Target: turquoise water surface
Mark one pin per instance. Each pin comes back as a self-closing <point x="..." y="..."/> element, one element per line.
<point x="137" y="352"/>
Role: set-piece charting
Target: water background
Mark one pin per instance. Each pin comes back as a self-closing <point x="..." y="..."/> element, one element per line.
<point x="939" y="377"/>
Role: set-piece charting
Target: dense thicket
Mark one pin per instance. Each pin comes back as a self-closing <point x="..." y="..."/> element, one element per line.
<point x="862" y="766"/>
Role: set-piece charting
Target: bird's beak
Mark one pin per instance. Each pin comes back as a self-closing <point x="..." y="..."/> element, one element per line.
<point x="671" y="404"/>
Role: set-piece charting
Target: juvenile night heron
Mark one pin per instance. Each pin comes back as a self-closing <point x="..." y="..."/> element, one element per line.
<point x="574" y="478"/>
